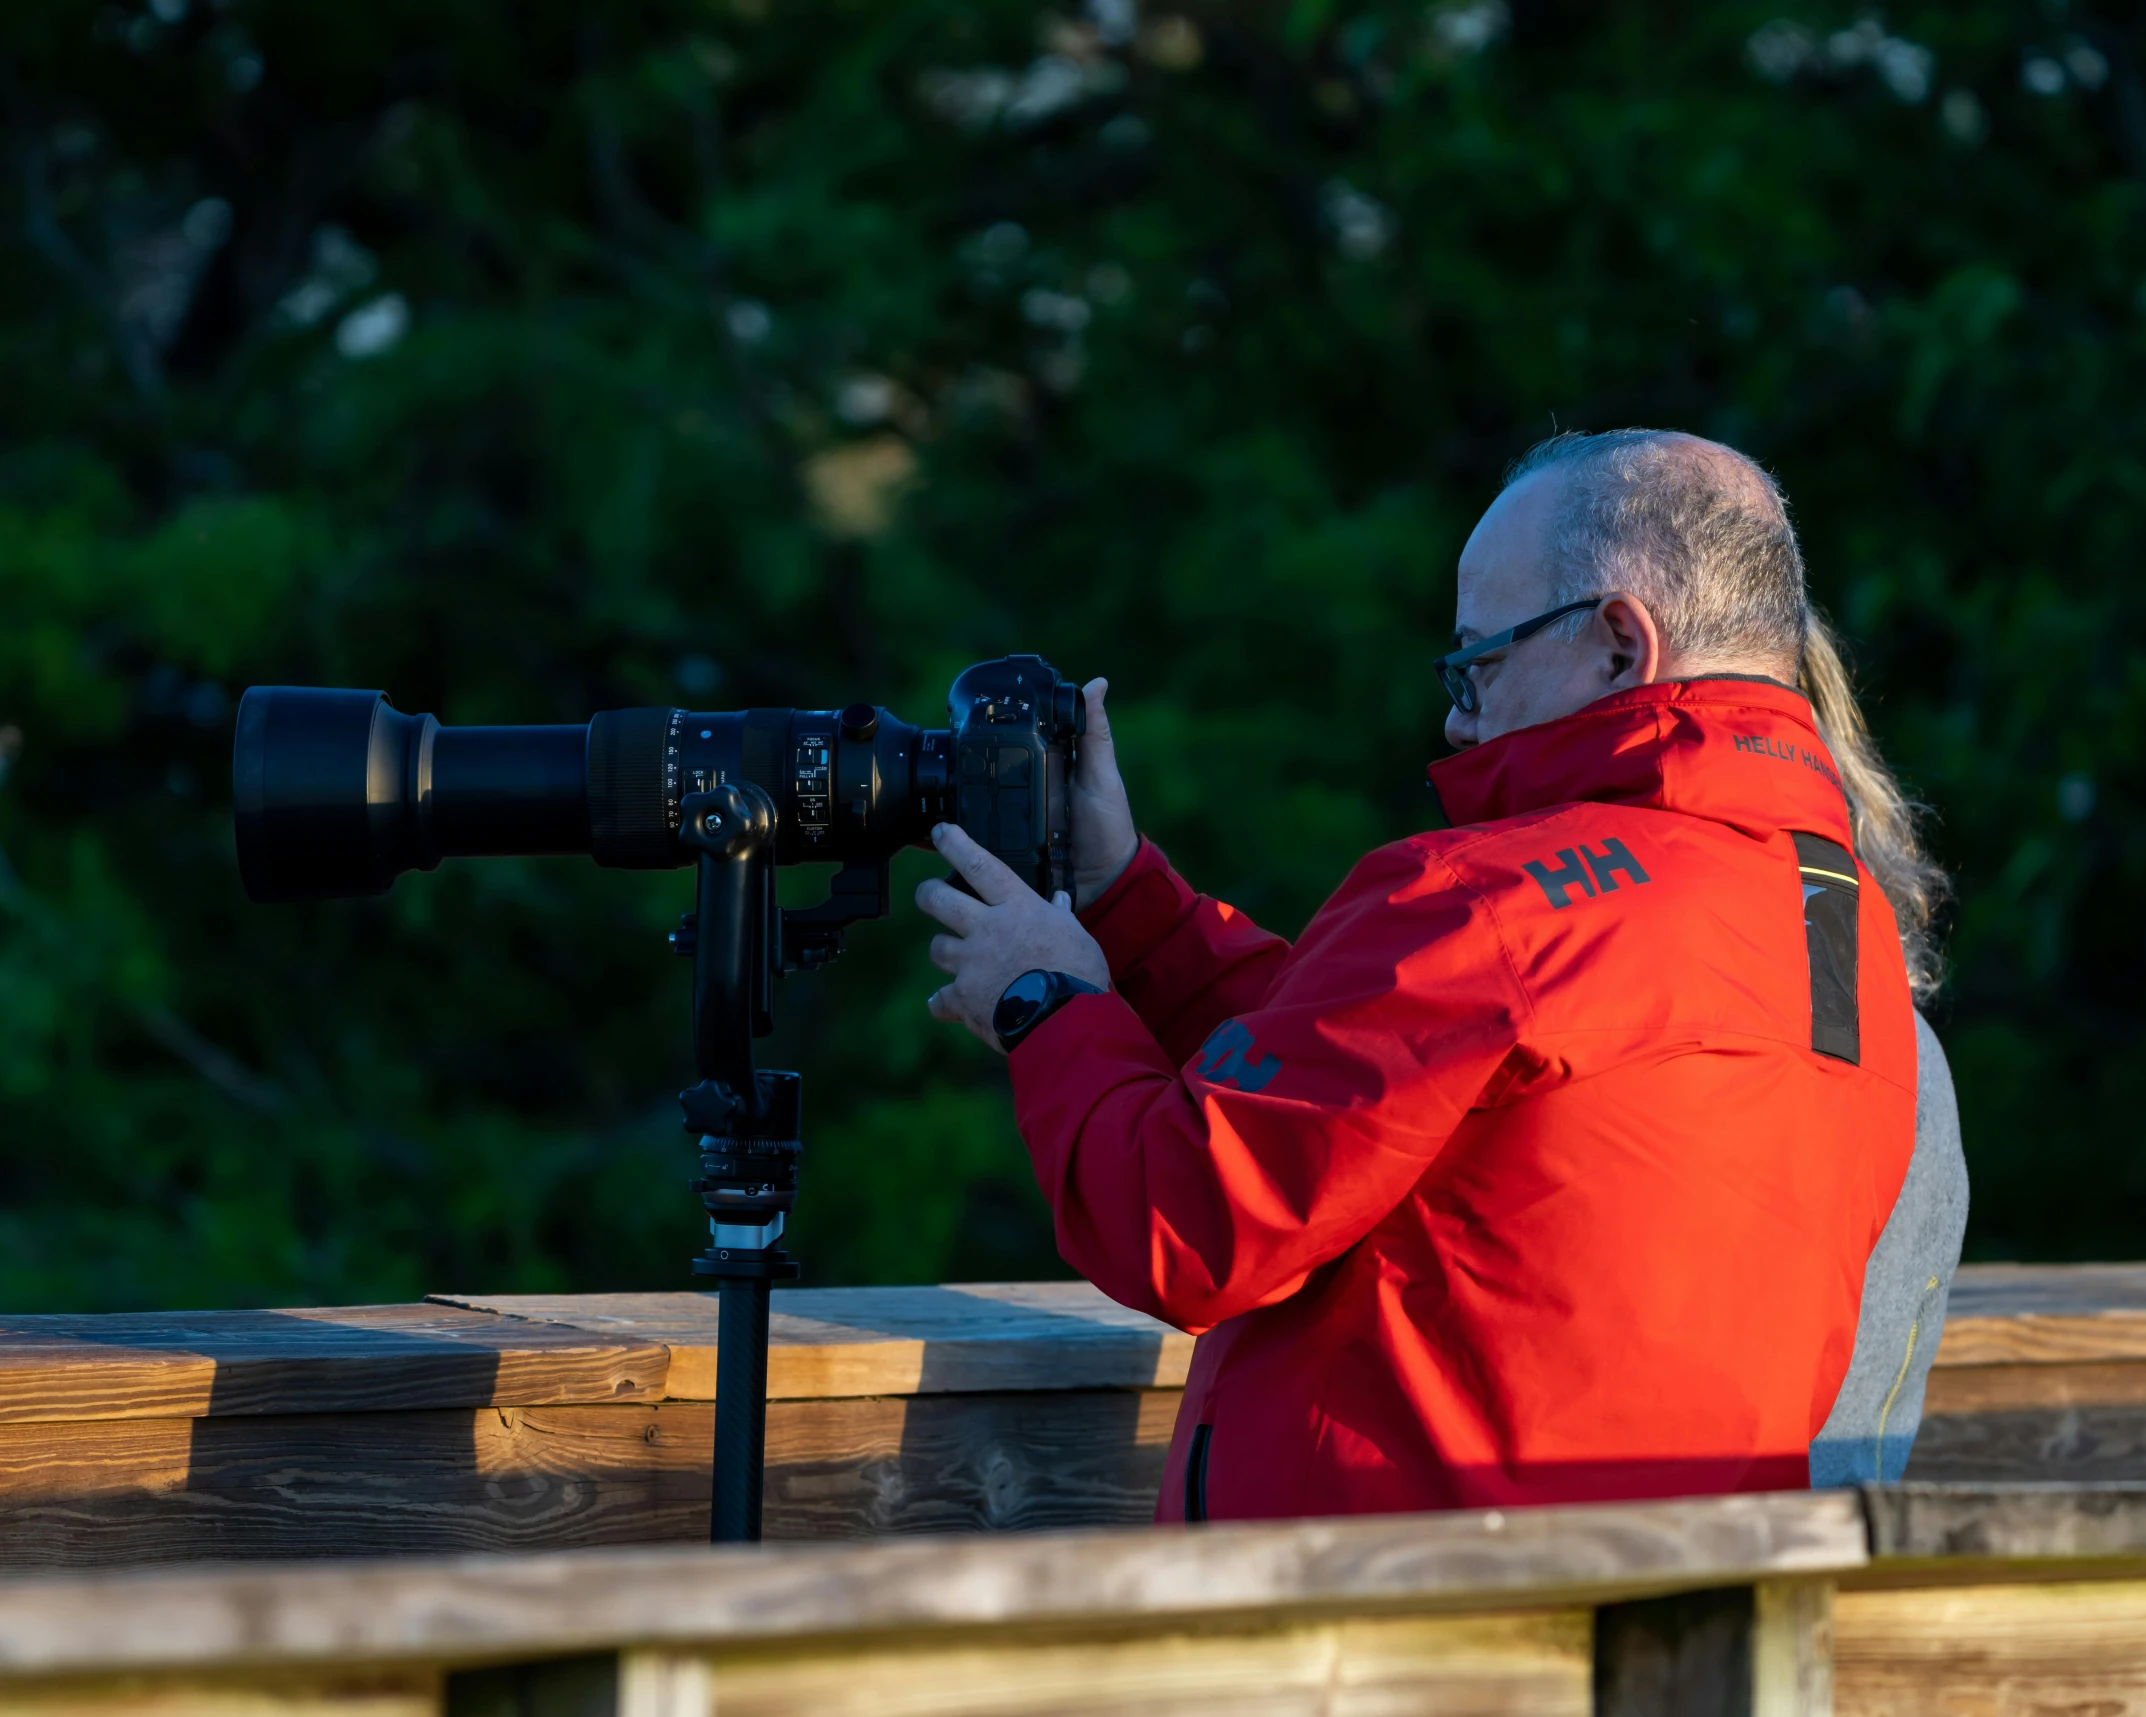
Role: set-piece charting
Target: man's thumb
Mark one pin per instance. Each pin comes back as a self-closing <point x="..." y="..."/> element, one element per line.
<point x="1093" y="694"/>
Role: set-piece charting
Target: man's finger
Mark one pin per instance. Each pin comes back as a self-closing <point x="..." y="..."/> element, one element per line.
<point x="959" y="912"/>
<point x="1093" y="694"/>
<point x="940" y="1008"/>
<point x="1097" y="753"/>
<point x="993" y="882"/>
<point x="943" y="951"/>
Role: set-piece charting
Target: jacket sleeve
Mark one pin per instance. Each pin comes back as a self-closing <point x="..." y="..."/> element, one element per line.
<point x="1183" y="961"/>
<point x="1195" y="1196"/>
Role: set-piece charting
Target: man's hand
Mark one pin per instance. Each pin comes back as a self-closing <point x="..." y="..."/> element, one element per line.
<point x="1007" y="930"/>
<point x="1104" y="839"/>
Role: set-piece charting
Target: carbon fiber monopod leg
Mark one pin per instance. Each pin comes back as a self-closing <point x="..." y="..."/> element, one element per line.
<point x="740" y="1412"/>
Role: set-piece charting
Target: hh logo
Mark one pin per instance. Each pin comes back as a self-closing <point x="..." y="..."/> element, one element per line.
<point x="1230" y="1057"/>
<point x="1586" y="870"/>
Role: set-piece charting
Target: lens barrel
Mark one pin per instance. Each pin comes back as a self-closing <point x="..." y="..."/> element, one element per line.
<point x="337" y="793"/>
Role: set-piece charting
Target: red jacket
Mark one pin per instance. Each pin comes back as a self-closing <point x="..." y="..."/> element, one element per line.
<point x="1544" y="1167"/>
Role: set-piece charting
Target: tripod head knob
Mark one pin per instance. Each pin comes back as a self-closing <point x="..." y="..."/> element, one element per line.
<point x="735" y="819"/>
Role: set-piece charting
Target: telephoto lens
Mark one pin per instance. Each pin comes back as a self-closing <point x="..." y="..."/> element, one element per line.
<point x="336" y="793"/>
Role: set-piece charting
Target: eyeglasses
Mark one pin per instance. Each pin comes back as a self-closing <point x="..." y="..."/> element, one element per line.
<point x="1452" y="668"/>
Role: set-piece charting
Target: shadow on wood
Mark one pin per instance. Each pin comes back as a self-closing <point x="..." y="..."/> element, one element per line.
<point x="557" y="1687"/>
<point x="1688" y="1655"/>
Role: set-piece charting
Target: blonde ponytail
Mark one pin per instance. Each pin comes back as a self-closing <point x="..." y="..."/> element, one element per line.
<point x="1882" y="817"/>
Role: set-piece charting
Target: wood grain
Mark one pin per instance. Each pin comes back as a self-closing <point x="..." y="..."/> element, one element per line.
<point x="2007" y="1521"/>
<point x="2078" y="1423"/>
<point x="2013" y="1332"/>
<point x="969" y="1463"/>
<point x="2082" y="1445"/>
<point x="354" y="1359"/>
<point x="130" y="1492"/>
<point x="2057" y="1650"/>
<point x="2013" y="1290"/>
<point x="2046" y="1314"/>
<point x="473" y="1608"/>
<point x="1964" y="1389"/>
<point x="404" y="1694"/>
<point x="1792" y="1648"/>
<point x="1462" y="1666"/>
<point x="829" y="1342"/>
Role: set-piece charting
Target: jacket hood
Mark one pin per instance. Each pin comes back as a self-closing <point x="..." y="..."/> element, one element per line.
<point x="1741" y="752"/>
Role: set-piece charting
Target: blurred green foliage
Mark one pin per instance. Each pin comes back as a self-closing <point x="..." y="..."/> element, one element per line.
<point x="528" y="360"/>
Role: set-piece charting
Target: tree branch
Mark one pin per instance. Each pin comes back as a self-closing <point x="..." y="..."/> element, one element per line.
<point x="221" y="1069"/>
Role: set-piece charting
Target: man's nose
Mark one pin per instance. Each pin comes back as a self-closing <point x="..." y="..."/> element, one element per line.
<point x="1460" y="729"/>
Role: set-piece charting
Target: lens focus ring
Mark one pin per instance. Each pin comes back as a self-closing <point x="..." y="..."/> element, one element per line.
<point x="632" y="788"/>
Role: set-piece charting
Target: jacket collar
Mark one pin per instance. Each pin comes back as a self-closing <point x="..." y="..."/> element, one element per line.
<point x="1744" y="752"/>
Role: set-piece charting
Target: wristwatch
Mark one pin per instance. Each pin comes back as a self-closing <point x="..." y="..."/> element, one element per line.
<point x="1030" y="1000"/>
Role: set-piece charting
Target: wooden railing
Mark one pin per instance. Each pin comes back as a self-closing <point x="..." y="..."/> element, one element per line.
<point x="471" y="1423"/>
<point x="1914" y="1602"/>
<point x="2010" y="1576"/>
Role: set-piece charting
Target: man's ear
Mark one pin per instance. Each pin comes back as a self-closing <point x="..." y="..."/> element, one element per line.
<point x="1631" y="645"/>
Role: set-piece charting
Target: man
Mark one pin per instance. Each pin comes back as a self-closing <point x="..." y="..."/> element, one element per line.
<point x="1552" y="1163"/>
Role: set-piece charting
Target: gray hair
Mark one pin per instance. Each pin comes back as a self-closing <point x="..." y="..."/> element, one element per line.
<point x="1695" y="530"/>
<point x="1701" y="534"/>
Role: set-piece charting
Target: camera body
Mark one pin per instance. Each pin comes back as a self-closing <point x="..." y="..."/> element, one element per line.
<point x="336" y="793"/>
<point x="1014" y="728"/>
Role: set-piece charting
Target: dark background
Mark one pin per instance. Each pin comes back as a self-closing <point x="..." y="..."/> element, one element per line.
<point x="531" y="359"/>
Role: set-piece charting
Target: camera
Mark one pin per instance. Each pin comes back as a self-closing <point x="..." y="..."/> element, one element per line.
<point x="337" y="793"/>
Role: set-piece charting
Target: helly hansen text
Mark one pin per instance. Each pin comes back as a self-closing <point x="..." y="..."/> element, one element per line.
<point x="1763" y="745"/>
<point x="1586" y="870"/>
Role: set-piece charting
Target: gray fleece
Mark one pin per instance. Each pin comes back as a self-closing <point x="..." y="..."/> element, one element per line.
<point x="1871" y="1430"/>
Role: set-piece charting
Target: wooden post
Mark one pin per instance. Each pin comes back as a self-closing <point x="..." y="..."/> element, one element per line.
<point x="1735" y="1651"/>
<point x="585" y="1686"/>
<point x="663" y="1684"/>
<point x="1686" y="1655"/>
<point x="1792" y="1649"/>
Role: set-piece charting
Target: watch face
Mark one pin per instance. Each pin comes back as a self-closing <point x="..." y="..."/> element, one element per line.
<point x="1018" y="1005"/>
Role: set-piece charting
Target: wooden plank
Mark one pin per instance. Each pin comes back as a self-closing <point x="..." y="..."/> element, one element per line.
<point x="2007" y="1521"/>
<point x="2078" y="1423"/>
<point x="959" y="1463"/>
<point x="2071" y="1445"/>
<point x="2056" y="1650"/>
<point x="1975" y="1389"/>
<point x="351" y="1359"/>
<point x="2041" y="1375"/>
<point x="408" y="1693"/>
<point x="1533" y="1665"/>
<point x="2013" y="1290"/>
<point x="135" y="1492"/>
<point x="826" y="1342"/>
<point x="838" y="1343"/>
<point x="2009" y="1314"/>
<point x="451" y="1609"/>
